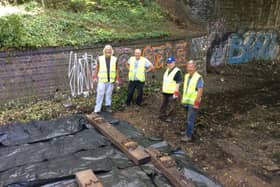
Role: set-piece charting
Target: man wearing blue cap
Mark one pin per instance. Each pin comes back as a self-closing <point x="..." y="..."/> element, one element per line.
<point x="172" y="79"/>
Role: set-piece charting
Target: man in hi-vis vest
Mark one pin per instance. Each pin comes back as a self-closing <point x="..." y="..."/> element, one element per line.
<point x="138" y="66"/>
<point x="191" y="98"/>
<point x="107" y="74"/>
<point x="172" y="79"/>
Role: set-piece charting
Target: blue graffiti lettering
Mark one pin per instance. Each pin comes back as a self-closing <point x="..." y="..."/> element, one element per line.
<point x="252" y="46"/>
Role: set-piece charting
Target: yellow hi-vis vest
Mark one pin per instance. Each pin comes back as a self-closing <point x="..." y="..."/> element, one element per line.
<point x="102" y="74"/>
<point x="169" y="85"/>
<point x="190" y="92"/>
<point x="140" y="74"/>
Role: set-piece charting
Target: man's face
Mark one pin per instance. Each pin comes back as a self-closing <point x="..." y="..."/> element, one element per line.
<point x="191" y="68"/>
<point x="108" y="52"/>
<point x="137" y="54"/>
<point x="170" y="65"/>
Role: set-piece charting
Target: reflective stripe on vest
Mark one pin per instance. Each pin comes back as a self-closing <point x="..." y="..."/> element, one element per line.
<point x="189" y="92"/>
<point x="102" y="74"/>
<point x="140" y="74"/>
<point x="169" y="85"/>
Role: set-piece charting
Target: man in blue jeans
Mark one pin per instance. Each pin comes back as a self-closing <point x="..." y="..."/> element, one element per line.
<point x="192" y="92"/>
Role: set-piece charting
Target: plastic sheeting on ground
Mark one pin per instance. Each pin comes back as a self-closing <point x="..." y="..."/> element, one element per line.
<point x="20" y="133"/>
<point x="129" y="177"/>
<point x="48" y="153"/>
<point x="57" y="147"/>
<point x="184" y="163"/>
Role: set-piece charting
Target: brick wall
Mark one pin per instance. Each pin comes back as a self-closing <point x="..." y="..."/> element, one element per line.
<point x="34" y="73"/>
<point x="39" y="73"/>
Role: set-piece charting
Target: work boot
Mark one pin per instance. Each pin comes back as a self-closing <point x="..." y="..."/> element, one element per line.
<point x="186" y="139"/>
<point x="96" y="113"/>
<point x="183" y="133"/>
<point x="108" y="109"/>
<point x="168" y="120"/>
<point x="161" y="117"/>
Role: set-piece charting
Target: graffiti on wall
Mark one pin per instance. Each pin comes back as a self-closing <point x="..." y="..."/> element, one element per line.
<point x="218" y="55"/>
<point x="216" y="29"/>
<point x="123" y="55"/>
<point x="252" y="45"/>
<point x="217" y="38"/>
<point x="198" y="47"/>
<point x="80" y="73"/>
<point x="212" y="52"/>
<point x="219" y="47"/>
<point x="158" y="54"/>
<point x="212" y="47"/>
<point x="81" y="68"/>
<point x="180" y="52"/>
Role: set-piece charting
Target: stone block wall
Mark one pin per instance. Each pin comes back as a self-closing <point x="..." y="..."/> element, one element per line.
<point x="238" y="14"/>
<point x="249" y="14"/>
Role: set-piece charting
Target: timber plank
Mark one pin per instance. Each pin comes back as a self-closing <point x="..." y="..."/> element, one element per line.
<point x="134" y="152"/>
<point x="87" y="178"/>
<point x="167" y="166"/>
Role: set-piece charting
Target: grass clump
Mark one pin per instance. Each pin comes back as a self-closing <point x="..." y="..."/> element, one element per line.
<point x="80" y="22"/>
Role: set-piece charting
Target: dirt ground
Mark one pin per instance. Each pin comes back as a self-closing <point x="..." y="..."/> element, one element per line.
<point x="237" y="132"/>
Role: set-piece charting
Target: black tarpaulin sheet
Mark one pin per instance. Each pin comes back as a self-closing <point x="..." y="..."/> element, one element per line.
<point x="57" y="147"/>
<point x="129" y="177"/>
<point x="190" y="171"/>
<point x="20" y="133"/>
<point x="50" y="152"/>
<point x="99" y="160"/>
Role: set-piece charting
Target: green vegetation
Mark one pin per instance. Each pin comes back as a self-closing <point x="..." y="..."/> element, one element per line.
<point x="276" y="157"/>
<point x="79" y="22"/>
<point x="44" y="109"/>
<point x="118" y="99"/>
<point x="50" y="109"/>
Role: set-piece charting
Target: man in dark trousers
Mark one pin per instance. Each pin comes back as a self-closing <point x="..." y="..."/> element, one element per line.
<point x="138" y="66"/>
<point x="172" y="79"/>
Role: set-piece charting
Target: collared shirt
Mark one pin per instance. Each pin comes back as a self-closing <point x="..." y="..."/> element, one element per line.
<point x="199" y="83"/>
<point x="136" y="62"/>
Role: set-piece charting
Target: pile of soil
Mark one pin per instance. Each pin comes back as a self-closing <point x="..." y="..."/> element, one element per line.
<point x="237" y="132"/>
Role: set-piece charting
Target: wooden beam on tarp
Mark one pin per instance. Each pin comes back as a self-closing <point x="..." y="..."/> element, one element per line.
<point x="167" y="165"/>
<point x="131" y="148"/>
<point x="87" y="178"/>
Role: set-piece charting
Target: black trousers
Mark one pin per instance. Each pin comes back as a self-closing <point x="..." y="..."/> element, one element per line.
<point x="168" y="105"/>
<point x="132" y="85"/>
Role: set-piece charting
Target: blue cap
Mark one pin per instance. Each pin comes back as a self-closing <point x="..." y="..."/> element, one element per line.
<point x="170" y="60"/>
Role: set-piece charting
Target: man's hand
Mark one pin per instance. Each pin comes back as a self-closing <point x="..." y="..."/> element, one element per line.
<point x="196" y="104"/>
<point x="94" y="78"/>
<point x="175" y="95"/>
<point x="118" y="81"/>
